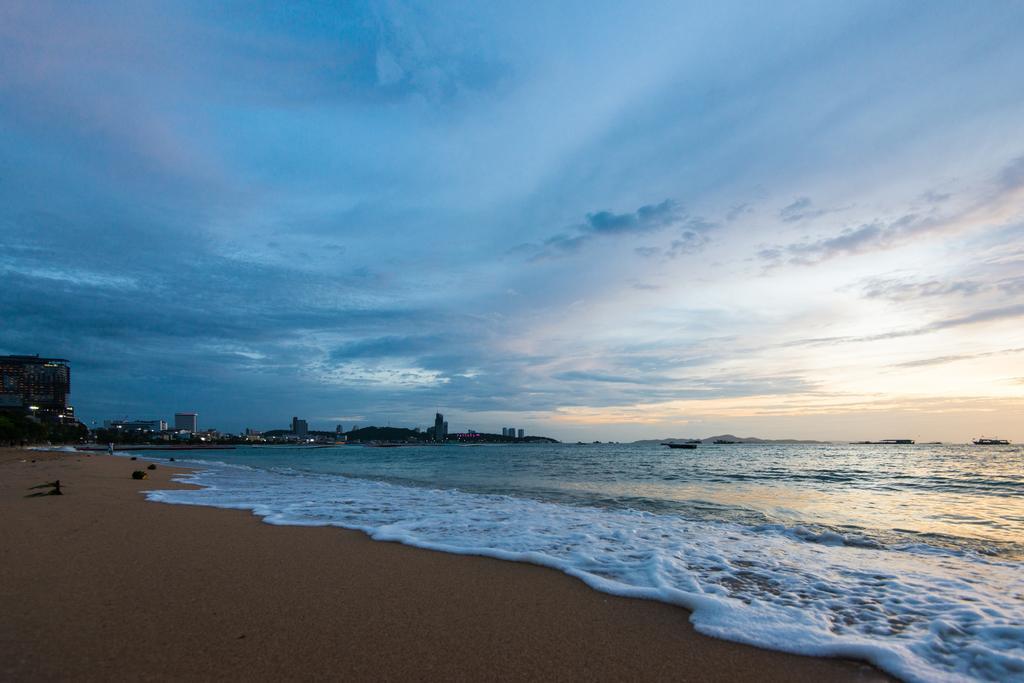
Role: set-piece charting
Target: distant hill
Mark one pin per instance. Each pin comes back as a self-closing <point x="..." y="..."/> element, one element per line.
<point x="728" y="437"/>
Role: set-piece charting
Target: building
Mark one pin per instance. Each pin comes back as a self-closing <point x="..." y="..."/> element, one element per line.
<point x="440" y="427"/>
<point x="522" y="433"/>
<point x="36" y="386"/>
<point x="511" y="432"/>
<point x="187" y="422"/>
<point x="504" y="431"/>
<point x="299" y="427"/>
<point x="136" y="425"/>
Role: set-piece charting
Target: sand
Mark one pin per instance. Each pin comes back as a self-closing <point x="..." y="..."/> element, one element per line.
<point x="99" y="584"/>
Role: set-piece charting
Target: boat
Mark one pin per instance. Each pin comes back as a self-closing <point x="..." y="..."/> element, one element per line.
<point x="983" y="441"/>
<point x="688" y="446"/>
<point x="724" y="441"/>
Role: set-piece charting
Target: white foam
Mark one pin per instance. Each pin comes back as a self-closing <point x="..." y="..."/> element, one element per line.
<point x="919" y="615"/>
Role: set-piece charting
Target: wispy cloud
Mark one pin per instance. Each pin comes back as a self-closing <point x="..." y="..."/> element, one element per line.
<point x="911" y="290"/>
<point x="647" y="219"/>
<point x="975" y="318"/>
<point x="999" y="203"/>
<point x="944" y="360"/>
<point x="802" y="209"/>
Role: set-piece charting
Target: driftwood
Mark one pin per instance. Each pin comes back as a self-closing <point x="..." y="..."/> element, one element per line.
<point x="54" y="487"/>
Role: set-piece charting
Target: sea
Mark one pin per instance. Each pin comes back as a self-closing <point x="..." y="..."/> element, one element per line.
<point x="908" y="556"/>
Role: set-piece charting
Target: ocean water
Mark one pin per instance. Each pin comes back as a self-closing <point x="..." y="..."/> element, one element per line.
<point x="911" y="557"/>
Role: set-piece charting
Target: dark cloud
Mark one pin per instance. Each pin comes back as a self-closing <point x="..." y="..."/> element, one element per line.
<point x="582" y="376"/>
<point x="390" y="347"/>
<point x="647" y="219"/>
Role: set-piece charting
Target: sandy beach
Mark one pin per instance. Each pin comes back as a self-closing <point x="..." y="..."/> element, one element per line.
<point x="99" y="584"/>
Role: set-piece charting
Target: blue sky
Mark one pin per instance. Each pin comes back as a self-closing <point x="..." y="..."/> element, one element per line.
<point x="590" y="220"/>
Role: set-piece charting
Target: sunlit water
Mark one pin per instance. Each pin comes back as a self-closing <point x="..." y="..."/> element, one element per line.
<point x="908" y="556"/>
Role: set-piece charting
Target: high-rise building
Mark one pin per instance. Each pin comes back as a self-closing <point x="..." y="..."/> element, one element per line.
<point x="504" y="431"/>
<point x="511" y="432"/>
<point x="36" y="386"/>
<point x="299" y="427"/>
<point x="522" y="433"/>
<point x="188" y="422"/>
<point x="444" y="430"/>
<point x="440" y="430"/>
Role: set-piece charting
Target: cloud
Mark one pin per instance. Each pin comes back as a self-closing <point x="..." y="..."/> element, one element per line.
<point x="943" y="360"/>
<point x="692" y="238"/>
<point x="997" y="205"/>
<point x="1012" y="176"/>
<point x="910" y="290"/>
<point x="647" y="219"/>
<point x="802" y="209"/>
<point x="978" y="317"/>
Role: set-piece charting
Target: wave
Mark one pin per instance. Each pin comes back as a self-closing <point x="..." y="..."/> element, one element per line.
<point x="921" y="615"/>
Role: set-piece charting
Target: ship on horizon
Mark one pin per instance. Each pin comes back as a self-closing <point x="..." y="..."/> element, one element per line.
<point x="984" y="441"/>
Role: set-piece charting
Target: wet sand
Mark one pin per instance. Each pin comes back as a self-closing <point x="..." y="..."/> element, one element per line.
<point x="99" y="584"/>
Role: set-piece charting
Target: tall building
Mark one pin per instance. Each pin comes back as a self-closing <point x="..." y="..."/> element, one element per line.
<point x="522" y="433"/>
<point x="188" y="422"/>
<point x="504" y="431"/>
<point x="36" y="386"/>
<point x="299" y="427"/>
<point x="440" y="427"/>
<point x="512" y="432"/>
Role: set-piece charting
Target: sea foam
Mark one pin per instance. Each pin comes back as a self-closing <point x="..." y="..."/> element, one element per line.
<point x="920" y="613"/>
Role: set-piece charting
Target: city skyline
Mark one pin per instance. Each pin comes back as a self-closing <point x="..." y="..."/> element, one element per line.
<point x="790" y="221"/>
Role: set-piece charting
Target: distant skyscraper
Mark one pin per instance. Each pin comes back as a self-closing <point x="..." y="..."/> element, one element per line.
<point x="522" y="432"/>
<point x="187" y="421"/>
<point x="504" y="431"/>
<point x="439" y="427"/>
<point x="338" y="430"/>
<point x="444" y="430"/>
<point x="511" y="432"/>
<point x="36" y="386"/>
<point x="299" y="427"/>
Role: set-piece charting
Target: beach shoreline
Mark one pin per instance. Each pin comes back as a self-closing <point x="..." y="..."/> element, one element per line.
<point x="99" y="583"/>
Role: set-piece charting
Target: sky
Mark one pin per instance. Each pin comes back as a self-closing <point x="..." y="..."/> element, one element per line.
<point x="589" y="220"/>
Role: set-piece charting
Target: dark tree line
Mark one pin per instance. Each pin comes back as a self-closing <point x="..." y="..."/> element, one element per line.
<point x="19" y="430"/>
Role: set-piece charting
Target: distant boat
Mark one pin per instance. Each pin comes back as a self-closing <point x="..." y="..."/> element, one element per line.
<point x="688" y="446"/>
<point x="991" y="442"/>
<point x="724" y="441"/>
